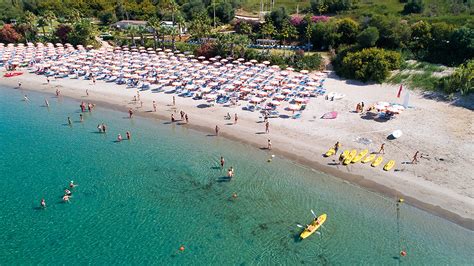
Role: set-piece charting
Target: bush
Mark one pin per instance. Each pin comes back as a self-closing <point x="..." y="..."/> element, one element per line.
<point x="368" y="37"/>
<point x="309" y="62"/>
<point x="207" y="50"/>
<point x="330" y="6"/>
<point x="8" y="34"/>
<point x="372" y="64"/>
<point x="413" y="6"/>
<point x="460" y="81"/>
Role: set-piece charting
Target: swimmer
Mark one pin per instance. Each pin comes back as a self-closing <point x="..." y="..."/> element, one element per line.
<point x="72" y="185"/>
<point x="99" y="127"/>
<point x="66" y="198"/>
<point x="119" y="137"/>
<point x="67" y="192"/>
<point x="43" y="203"/>
<point x="222" y="162"/>
<point x="25" y="98"/>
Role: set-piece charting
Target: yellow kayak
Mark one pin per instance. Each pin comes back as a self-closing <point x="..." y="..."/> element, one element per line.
<point x="389" y="165"/>
<point x="377" y="161"/>
<point x="313" y="226"/>
<point x="330" y="152"/>
<point x="359" y="156"/>
<point x="369" y="158"/>
<point x="348" y="158"/>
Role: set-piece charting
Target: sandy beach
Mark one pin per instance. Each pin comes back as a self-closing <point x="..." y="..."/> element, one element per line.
<point x="442" y="181"/>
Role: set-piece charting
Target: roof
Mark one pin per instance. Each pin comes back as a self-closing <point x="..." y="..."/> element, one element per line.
<point x="130" y="22"/>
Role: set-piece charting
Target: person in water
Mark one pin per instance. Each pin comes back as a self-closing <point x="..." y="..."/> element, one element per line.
<point x="217" y="130"/>
<point x="72" y="185"/>
<point x="81" y="118"/>
<point x="186" y="118"/>
<point x="46" y="102"/>
<point x="222" y="162"/>
<point x="67" y="192"/>
<point x="130" y="113"/>
<point x="119" y="138"/>
<point x="99" y="127"/>
<point x="43" y="203"/>
<point x="172" y="118"/>
<point x="66" y="198"/>
<point x="269" y="144"/>
<point x="104" y="128"/>
<point x="69" y="121"/>
<point x="129" y="136"/>
<point x="25" y="98"/>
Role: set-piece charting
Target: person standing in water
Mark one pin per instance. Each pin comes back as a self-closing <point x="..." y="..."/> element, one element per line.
<point x="104" y="128"/>
<point x="186" y="118"/>
<point x="46" y="102"/>
<point x="19" y="84"/>
<point x="130" y="113"/>
<point x="222" y="162"/>
<point x="43" y="203"/>
<point x="25" y="98"/>
<point x="69" y="121"/>
<point x="217" y="130"/>
<point x="119" y="138"/>
<point x="172" y="118"/>
<point x="81" y="118"/>
<point x="129" y="136"/>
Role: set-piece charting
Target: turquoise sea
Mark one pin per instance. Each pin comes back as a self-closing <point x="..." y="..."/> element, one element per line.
<point x="138" y="201"/>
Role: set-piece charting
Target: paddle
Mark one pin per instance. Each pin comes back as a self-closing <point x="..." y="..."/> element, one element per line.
<point x="300" y="226"/>
<point x="315" y="216"/>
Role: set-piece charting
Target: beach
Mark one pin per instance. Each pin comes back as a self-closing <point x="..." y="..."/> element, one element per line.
<point x="441" y="182"/>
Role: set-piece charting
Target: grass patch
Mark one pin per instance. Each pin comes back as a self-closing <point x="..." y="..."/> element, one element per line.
<point x="253" y="6"/>
<point x="424" y="81"/>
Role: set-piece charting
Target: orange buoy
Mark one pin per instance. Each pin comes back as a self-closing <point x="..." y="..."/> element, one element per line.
<point x="181" y="248"/>
<point x="403" y="253"/>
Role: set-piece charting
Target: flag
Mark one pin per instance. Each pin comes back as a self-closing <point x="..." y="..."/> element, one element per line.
<point x="400" y="91"/>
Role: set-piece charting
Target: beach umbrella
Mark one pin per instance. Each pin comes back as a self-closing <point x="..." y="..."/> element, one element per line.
<point x="255" y="100"/>
<point x="294" y="107"/>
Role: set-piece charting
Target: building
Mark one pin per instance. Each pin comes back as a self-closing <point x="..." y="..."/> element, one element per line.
<point x="125" y="24"/>
<point x="169" y="24"/>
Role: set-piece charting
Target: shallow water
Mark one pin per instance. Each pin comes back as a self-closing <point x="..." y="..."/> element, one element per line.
<point x="138" y="201"/>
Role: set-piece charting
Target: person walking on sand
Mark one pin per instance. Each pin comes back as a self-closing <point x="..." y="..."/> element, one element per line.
<point x="217" y="130"/>
<point x="235" y="119"/>
<point x="81" y="118"/>
<point x="47" y="81"/>
<point x="154" y="106"/>
<point x="336" y="146"/>
<point x="415" y="158"/>
<point x="267" y="127"/>
<point x="186" y="118"/>
<point x="138" y="95"/>
<point x="69" y="121"/>
<point x="130" y="113"/>
<point x="382" y="149"/>
<point x="222" y="162"/>
<point x="93" y="80"/>
<point x="129" y="136"/>
<point x="172" y="118"/>
<point x="19" y="84"/>
<point x="269" y="144"/>
<point x="174" y="101"/>
<point x="87" y="92"/>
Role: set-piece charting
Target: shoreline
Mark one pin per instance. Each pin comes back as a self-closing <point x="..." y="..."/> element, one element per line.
<point x="294" y="151"/>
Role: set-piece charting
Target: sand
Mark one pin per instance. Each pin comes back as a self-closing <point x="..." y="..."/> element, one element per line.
<point x="442" y="182"/>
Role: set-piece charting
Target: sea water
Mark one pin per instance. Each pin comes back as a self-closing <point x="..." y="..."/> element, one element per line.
<point x="139" y="201"/>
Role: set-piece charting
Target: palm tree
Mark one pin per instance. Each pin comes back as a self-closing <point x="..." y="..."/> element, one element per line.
<point x="181" y="24"/>
<point x="30" y="21"/>
<point x="154" y="23"/>
<point x="43" y="23"/>
<point x="133" y="31"/>
<point x="171" y="7"/>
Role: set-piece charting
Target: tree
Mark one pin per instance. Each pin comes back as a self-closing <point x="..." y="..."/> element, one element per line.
<point x="413" y="6"/>
<point x="30" y="20"/>
<point x="147" y="8"/>
<point x="133" y="31"/>
<point x="268" y="29"/>
<point x="371" y="64"/>
<point x="368" y="37"/>
<point x="8" y="34"/>
<point x="62" y="32"/>
<point x="171" y="8"/>
<point x="245" y="28"/>
<point x="330" y="6"/>
<point x="288" y="31"/>
<point x="49" y="16"/>
<point x="192" y="8"/>
<point x="325" y="35"/>
<point x="348" y="30"/>
<point x="180" y="23"/>
<point x="84" y="32"/>
<point x="308" y="32"/>
<point x="278" y="17"/>
<point x="224" y="12"/>
<point x="154" y="23"/>
<point x="394" y="33"/>
<point x="439" y="49"/>
<point x="462" y="43"/>
<point x="318" y="7"/>
<point x="420" y="38"/>
<point x="200" y="26"/>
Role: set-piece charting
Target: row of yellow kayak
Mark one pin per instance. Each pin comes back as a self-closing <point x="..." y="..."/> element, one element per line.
<point x="352" y="156"/>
